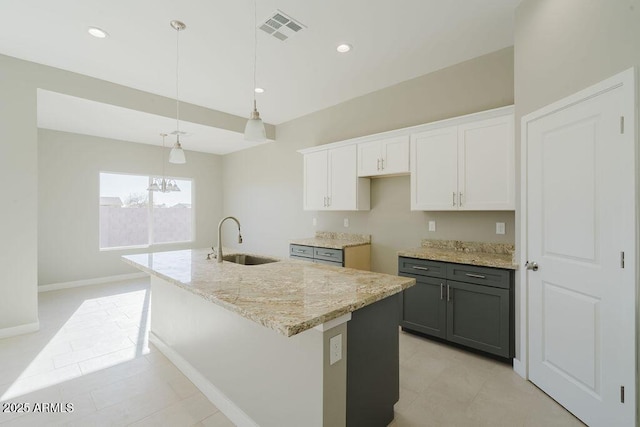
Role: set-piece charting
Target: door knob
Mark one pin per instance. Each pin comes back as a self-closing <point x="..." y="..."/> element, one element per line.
<point x="531" y="266"/>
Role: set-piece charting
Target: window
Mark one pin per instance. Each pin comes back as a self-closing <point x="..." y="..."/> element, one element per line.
<point x="131" y="215"/>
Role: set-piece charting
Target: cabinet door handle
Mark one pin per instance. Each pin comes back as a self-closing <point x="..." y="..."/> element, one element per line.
<point x="328" y="201"/>
<point x="453" y="198"/>
<point x="327" y="254"/>
<point x="382" y="163"/>
<point x="460" y="199"/>
<point x="378" y="167"/>
<point x="415" y="267"/>
<point x="300" y="251"/>
<point x="324" y="201"/>
<point x="448" y="293"/>
<point x="477" y="276"/>
<point x="441" y="291"/>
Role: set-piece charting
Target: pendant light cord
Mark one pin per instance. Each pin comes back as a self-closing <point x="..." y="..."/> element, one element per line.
<point x="255" y="49"/>
<point x="163" y="153"/>
<point x="177" y="93"/>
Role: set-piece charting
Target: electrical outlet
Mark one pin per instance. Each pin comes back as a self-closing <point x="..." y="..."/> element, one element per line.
<point x="346" y="222"/>
<point x="335" y="349"/>
<point x="499" y="227"/>
<point x="315" y="221"/>
<point x="432" y="226"/>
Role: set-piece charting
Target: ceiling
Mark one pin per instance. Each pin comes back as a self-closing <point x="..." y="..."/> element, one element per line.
<point x="392" y="41"/>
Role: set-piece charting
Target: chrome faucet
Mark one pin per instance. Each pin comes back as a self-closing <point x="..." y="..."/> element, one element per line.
<point x="219" y="251"/>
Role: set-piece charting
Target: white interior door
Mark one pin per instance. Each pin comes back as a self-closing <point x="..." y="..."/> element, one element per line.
<point x="580" y="219"/>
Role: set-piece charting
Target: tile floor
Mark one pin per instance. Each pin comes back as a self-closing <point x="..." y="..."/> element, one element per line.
<point x="92" y="351"/>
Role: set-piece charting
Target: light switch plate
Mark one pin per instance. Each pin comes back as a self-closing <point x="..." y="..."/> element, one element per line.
<point x="432" y="226"/>
<point x="346" y="222"/>
<point x="335" y="349"/>
<point x="499" y="227"/>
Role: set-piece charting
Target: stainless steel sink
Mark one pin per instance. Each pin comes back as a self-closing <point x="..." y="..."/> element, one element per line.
<point x="244" y="259"/>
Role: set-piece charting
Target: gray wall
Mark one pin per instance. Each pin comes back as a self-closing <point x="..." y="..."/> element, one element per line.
<point x="565" y="46"/>
<point x="562" y="47"/>
<point x="68" y="195"/>
<point x="18" y="221"/>
<point x="263" y="185"/>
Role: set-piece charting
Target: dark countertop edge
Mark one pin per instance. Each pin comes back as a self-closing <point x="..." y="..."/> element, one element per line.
<point x="328" y="245"/>
<point x="470" y="261"/>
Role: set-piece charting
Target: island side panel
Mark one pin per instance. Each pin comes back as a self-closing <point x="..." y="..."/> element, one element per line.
<point x="373" y="366"/>
<point x="335" y="380"/>
<point x="272" y="379"/>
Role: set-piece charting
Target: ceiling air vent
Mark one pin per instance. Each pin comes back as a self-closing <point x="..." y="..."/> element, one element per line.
<point x="281" y="26"/>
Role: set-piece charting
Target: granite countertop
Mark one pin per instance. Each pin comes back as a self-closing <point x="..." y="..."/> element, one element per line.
<point x="332" y="240"/>
<point x="498" y="255"/>
<point x="288" y="296"/>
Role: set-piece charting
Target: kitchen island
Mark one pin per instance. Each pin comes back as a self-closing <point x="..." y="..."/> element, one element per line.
<point x="286" y="343"/>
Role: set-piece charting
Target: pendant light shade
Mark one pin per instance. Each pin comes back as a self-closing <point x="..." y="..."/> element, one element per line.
<point x="164" y="185"/>
<point x="254" y="130"/>
<point x="177" y="153"/>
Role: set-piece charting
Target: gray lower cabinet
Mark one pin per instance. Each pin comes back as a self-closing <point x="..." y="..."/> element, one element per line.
<point x="317" y="255"/>
<point x="358" y="257"/>
<point x="424" y="309"/>
<point x="467" y="305"/>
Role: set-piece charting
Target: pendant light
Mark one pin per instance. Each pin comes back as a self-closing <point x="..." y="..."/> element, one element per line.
<point x="163" y="185"/>
<point x="177" y="153"/>
<point x="254" y="131"/>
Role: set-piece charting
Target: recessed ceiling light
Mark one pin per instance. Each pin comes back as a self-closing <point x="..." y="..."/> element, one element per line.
<point x="98" y="33"/>
<point x="259" y="90"/>
<point x="344" y="48"/>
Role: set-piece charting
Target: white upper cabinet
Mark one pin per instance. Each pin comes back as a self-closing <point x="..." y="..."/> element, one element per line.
<point x="434" y="174"/>
<point x="316" y="178"/>
<point x="331" y="181"/>
<point x="486" y="165"/>
<point x="384" y="157"/>
<point x="470" y="166"/>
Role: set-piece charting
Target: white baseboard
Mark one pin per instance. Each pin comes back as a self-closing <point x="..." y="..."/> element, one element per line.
<point x="19" y="330"/>
<point x="213" y="393"/>
<point x="88" y="282"/>
<point x="519" y="368"/>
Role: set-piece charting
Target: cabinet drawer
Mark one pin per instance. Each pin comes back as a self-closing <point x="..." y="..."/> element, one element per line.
<point x="301" y="251"/>
<point x="328" y="254"/>
<point x="322" y="261"/>
<point x="480" y="275"/>
<point x="422" y="267"/>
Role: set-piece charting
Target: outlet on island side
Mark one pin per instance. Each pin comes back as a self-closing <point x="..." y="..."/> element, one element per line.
<point x="314" y="221"/>
<point x="335" y="349"/>
<point x="432" y="226"/>
<point x="346" y="222"/>
<point x="499" y="227"/>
